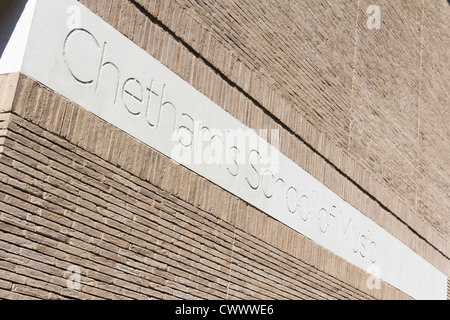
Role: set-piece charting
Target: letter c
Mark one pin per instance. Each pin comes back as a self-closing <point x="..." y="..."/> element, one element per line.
<point x="264" y="186"/>
<point x="372" y="253"/>
<point x="66" y="49"/>
<point x="252" y="165"/>
<point x="323" y="213"/>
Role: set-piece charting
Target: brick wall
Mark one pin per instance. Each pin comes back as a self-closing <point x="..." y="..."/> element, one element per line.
<point x="364" y="99"/>
<point x="172" y="34"/>
<point x="363" y="111"/>
<point x="77" y="191"/>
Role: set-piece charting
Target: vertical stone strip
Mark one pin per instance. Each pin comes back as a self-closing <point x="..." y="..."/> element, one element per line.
<point x="8" y="85"/>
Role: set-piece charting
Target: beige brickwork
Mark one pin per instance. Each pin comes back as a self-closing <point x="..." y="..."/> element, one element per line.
<point x="364" y="111"/>
<point x="354" y="95"/>
<point x="168" y="32"/>
<point x="136" y="223"/>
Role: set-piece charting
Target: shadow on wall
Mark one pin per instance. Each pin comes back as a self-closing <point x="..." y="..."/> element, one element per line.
<point x="10" y="11"/>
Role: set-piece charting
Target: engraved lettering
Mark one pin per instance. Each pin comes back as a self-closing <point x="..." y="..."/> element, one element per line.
<point x="265" y="185"/>
<point x="236" y="138"/>
<point x="280" y="194"/>
<point x="153" y="106"/>
<point x="185" y="133"/>
<point x="246" y="154"/>
<point x="200" y="143"/>
<point x="257" y="176"/>
<point x="354" y="237"/>
<point x="363" y="250"/>
<point x="305" y="208"/>
<point x="372" y="247"/>
<point x="233" y="154"/>
<point x="323" y="220"/>
<point x="331" y="218"/>
<point x="79" y="62"/>
<point x="114" y="73"/>
<point x="156" y="108"/>
<point x="292" y="200"/>
<point x="348" y="227"/>
<point x="133" y="89"/>
<point x="214" y="151"/>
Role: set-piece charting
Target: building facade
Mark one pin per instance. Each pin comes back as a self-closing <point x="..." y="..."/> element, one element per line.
<point x="188" y="149"/>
